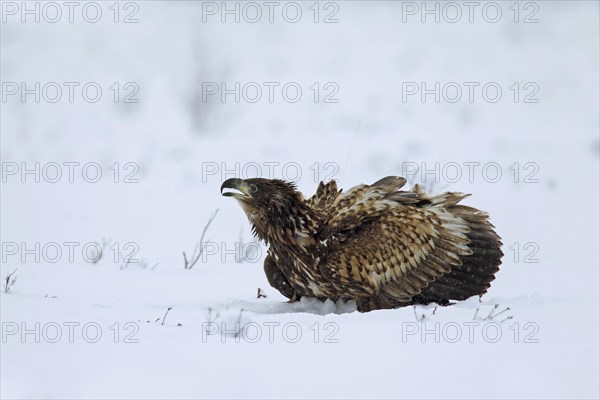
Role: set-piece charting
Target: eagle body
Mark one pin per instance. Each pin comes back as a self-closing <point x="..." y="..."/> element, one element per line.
<point x="375" y="244"/>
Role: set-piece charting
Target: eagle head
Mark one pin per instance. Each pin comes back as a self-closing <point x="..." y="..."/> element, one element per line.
<point x="274" y="207"/>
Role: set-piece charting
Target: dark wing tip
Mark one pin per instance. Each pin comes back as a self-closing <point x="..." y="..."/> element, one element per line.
<point x="390" y="183"/>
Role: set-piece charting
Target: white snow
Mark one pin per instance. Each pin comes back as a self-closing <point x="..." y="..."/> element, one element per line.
<point x="546" y="207"/>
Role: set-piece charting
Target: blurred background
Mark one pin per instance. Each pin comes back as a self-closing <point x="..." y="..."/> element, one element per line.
<point x="167" y="100"/>
<point x="192" y="93"/>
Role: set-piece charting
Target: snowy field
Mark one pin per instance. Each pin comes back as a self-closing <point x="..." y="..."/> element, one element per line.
<point x="120" y="121"/>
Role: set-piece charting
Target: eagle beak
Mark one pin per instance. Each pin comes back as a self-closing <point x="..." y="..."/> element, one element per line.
<point x="240" y="189"/>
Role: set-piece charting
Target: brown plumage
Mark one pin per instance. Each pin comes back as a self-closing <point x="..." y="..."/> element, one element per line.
<point x="376" y="244"/>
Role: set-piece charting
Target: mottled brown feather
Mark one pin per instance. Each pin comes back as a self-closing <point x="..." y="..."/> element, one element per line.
<point x="376" y="244"/>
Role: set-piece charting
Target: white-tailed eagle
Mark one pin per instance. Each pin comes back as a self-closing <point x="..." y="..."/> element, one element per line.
<point x="376" y="244"/>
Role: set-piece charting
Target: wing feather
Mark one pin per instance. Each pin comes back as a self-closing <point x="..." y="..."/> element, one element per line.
<point x="325" y="195"/>
<point x="395" y="247"/>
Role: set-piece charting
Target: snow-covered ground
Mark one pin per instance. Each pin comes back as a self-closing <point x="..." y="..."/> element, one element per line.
<point x="74" y="326"/>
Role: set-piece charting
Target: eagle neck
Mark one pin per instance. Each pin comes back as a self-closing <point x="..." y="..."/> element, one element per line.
<point x="288" y="223"/>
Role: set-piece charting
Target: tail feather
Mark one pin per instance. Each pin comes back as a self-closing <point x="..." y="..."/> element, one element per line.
<point x="473" y="277"/>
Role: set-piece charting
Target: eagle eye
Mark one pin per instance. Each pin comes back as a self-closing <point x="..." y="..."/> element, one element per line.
<point x="253" y="188"/>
